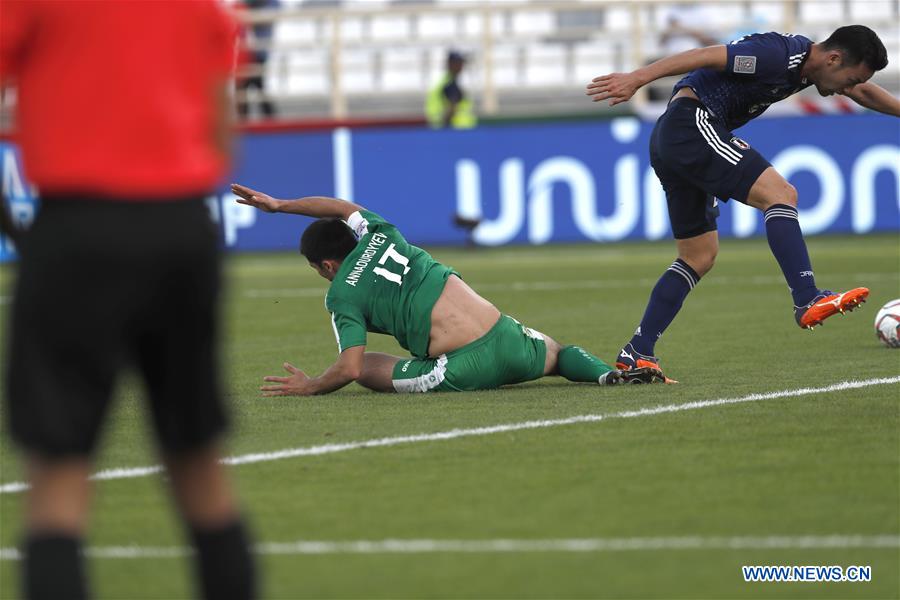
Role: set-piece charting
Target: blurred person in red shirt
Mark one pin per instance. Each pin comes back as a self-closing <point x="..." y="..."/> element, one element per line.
<point x="123" y="120"/>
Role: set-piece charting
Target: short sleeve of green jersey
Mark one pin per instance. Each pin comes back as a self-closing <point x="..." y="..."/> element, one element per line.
<point x="363" y="222"/>
<point x="349" y="325"/>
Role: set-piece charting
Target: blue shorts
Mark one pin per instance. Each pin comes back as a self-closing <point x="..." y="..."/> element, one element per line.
<point x="698" y="160"/>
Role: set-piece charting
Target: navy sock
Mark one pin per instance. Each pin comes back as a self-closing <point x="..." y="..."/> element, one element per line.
<point x="665" y="302"/>
<point x="786" y="242"/>
<point x="53" y="567"/>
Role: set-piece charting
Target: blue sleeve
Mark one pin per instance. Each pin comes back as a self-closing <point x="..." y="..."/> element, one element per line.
<point x="760" y="55"/>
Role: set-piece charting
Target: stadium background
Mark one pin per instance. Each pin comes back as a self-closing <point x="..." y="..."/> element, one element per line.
<point x="567" y="185"/>
<point x="348" y="80"/>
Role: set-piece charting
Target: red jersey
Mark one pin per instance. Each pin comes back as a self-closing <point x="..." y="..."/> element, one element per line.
<point x="118" y="98"/>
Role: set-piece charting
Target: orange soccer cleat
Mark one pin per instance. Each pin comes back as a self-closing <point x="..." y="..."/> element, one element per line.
<point x="827" y="304"/>
<point x="629" y="358"/>
<point x="636" y="375"/>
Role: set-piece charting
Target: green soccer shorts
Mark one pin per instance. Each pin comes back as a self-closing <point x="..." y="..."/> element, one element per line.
<point x="508" y="353"/>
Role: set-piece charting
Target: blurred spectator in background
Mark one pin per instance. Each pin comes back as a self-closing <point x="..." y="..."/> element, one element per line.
<point x="255" y="40"/>
<point x="686" y="29"/>
<point x="447" y="104"/>
<point x="124" y="124"/>
<point x="756" y="22"/>
<point x="686" y="26"/>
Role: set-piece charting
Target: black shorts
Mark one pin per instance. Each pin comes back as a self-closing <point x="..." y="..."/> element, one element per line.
<point x="698" y="160"/>
<point x="102" y="284"/>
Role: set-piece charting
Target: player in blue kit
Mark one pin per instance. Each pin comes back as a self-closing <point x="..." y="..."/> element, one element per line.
<point x="699" y="160"/>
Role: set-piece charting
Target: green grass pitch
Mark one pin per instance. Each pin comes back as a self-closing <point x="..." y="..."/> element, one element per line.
<point x="825" y="463"/>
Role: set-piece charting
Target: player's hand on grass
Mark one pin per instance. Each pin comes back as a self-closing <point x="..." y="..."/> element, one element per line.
<point x="296" y="384"/>
<point x="615" y="87"/>
<point x="251" y="197"/>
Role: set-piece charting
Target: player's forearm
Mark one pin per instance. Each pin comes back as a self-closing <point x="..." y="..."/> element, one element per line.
<point x="877" y="98"/>
<point x="713" y="57"/>
<point x="347" y="369"/>
<point x="318" y="207"/>
<point x="333" y="379"/>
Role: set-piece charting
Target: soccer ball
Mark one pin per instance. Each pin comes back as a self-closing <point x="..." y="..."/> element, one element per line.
<point x="887" y="324"/>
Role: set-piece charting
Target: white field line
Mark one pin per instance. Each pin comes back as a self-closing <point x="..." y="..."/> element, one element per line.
<point x="132" y="472"/>
<point x="587" y="284"/>
<point x="408" y="546"/>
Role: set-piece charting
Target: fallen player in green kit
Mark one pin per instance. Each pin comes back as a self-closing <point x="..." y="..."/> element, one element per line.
<point x="381" y="283"/>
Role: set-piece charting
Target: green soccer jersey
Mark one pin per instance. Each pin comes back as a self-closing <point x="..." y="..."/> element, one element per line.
<point x="385" y="285"/>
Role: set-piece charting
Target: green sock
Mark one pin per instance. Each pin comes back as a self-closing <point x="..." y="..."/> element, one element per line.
<point x="577" y="364"/>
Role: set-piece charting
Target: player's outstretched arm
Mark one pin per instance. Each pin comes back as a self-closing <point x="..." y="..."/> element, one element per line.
<point x="871" y="95"/>
<point x="346" y="369"/>
<point x="319" y="207"/>
<point x="620" y="87"/>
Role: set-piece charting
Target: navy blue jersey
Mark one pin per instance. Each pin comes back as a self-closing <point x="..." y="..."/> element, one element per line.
<point x="762" y="68"/>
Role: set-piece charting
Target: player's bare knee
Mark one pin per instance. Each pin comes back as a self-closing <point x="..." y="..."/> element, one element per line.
<point x="703" y="263"/>
<point x="200" y="485"/>
<point x="377" y="372"/>
<point x="777" y="191"/>
<point x="551" y="362"/>
<point x="771" y="189"/>
<point x="701" y="260"/>
<point x="708" y="263"/>
<point x="60" y="494"/>
<point x="789" y="195"/>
